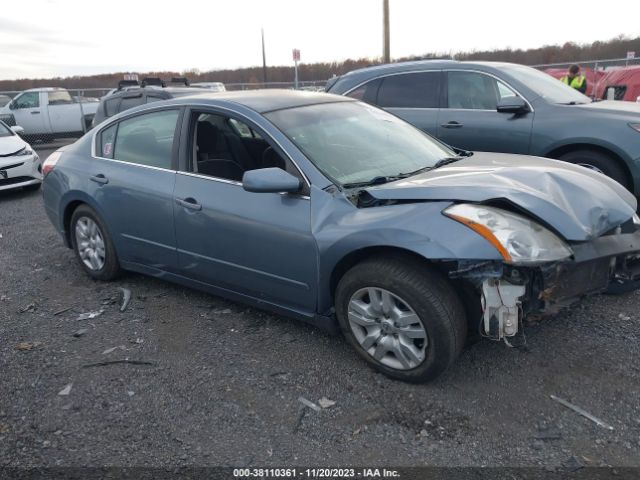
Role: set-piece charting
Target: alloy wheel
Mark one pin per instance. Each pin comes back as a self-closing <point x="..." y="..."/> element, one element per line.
<point x="387" y="328"/>
<point x="90" y="243"/>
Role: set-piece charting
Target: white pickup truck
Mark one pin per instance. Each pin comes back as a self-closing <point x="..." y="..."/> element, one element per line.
<point x="47" y="113"/>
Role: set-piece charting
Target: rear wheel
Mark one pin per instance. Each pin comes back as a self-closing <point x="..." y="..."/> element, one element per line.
<point x="92" y="244"/>
<point x="404" y="319"/>
<point x="599" y="162"/>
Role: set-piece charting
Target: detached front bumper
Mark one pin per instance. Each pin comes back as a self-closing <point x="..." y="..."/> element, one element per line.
<point x="597" y="266"/>
<point x="508" y="293"/>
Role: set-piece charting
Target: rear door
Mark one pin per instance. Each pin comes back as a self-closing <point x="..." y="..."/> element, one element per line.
<point x="132" y="179"/>
<point x="64" y="113"/>
<point x="469" y="119"/>
<point x="414" y="97"/>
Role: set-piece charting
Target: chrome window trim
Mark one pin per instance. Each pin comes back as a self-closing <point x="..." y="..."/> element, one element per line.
<point x="152" y="108"/>
<point x="137" y="164"/>
<point x="231" y="182"/>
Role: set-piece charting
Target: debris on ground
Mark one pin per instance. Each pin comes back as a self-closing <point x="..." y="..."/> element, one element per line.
<point x="624" y="317"/>
<point x="115" y="362"/>
<point x="29" y="308"/>
<point x="81" y="332"/>
<point x="309" y="404"/>
<point x="113" y="349"/>
<point x="573" y="464"/>
<point x="125" y="298"/>
<point x="324" y="402"/>
<point x="582" y="412"/>
<point x="90" y="315"/>
<point x="27" y="346"/>
<point x="3" y="298"/>
<point x="66" y="390"/>
<point x="62" y="311"/>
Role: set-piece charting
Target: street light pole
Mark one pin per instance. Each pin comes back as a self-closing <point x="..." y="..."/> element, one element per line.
<point x="264" y="60"/>
<point x="386" y="50"/>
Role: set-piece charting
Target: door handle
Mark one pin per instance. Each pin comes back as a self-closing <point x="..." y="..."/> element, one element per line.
<point x="452" y="125"/>
<point x="100" y="178"/>
<point x="189" y="203"/>
<point x="35" y="113"/>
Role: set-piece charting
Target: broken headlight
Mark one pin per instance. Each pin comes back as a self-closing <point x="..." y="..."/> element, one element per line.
<point x="518" y="239"/>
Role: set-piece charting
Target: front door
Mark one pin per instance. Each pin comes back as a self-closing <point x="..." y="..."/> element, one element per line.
<point x="28" y="113"/>
<point x="470" y="120"/>
<point x="255" y="244"/>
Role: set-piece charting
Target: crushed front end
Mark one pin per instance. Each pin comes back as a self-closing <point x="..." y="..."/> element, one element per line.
<point x="510" y="290"/>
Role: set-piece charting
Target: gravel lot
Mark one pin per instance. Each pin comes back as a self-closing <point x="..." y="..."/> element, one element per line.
<point x="224" y="380"/>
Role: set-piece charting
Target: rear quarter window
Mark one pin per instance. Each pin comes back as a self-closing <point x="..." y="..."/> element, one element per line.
<point x="107" y="141"/>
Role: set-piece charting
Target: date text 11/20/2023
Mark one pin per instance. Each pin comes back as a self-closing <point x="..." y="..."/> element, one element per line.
<point x="315" y="473"/>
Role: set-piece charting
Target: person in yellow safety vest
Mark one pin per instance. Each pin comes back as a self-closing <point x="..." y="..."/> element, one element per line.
<point x="575" y="79"/>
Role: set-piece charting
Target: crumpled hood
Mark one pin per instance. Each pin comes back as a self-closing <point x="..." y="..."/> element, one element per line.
<point x="11" y="145"/>
<point x="577" y="202"/>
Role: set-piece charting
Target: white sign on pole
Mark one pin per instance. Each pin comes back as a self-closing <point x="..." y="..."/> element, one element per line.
<point x="631" y="55"/>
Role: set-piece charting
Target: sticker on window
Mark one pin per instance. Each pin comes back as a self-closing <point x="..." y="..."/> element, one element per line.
<point x="107" y="148"/>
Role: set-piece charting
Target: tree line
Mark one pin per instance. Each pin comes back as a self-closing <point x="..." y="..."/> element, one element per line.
<point x="569" y="52"/>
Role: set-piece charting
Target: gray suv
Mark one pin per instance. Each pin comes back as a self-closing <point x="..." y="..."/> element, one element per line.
<point x="503" y="107"/>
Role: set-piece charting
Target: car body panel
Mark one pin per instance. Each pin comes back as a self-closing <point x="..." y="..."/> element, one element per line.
<point x="549" y="190"/>
<point x="16" y="169"/>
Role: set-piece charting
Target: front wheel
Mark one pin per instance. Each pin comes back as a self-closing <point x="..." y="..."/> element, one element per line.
<point x="92" y="244"/>
<point x="403" y="318"/>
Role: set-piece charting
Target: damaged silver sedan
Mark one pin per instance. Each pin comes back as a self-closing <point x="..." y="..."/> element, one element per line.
<point x="339" y="214"/>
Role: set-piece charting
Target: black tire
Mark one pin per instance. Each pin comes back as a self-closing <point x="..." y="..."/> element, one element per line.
<point x="111" y="268"/>
<point x="431" y="297"/>
<point x="601" y="161"/>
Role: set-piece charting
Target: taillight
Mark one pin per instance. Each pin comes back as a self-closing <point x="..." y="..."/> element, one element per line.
<point x="50" y="162"/>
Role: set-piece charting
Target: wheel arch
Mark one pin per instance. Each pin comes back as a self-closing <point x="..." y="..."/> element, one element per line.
<point x="68" y="205"/>
<point x="353" y="258"/>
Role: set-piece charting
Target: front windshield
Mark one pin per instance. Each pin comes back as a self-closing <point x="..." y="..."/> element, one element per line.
<point x="549" y="88"/>
<point x="353" y="142"/>
<point x="5" y="131"/>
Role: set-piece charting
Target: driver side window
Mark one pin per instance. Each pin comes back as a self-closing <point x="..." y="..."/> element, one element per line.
<point x="27" y="100"/>
<point x="472" y="91"/>
<point x="225" y="148"/>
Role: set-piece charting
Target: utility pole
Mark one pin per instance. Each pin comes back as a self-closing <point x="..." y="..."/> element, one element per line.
<point x="386" y="50"/>
<point x="264" y="60"/>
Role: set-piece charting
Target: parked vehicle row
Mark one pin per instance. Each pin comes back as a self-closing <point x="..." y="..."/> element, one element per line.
<point x="334" y="212"/>
<point x="501" y="107"/>
<point x="47" y="113"/>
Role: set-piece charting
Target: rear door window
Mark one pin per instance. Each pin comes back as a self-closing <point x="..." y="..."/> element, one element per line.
<point x="130" y="102"/>
<point x="410" y="90"/>
<point x="147" y="139"/>
<point x="59" y="97"/>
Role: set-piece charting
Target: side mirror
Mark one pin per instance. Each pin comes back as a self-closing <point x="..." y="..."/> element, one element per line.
<point x="18" y="129"/>
<point x="512" y="105"/>
<point x="12" y="105"/>
<point x="270" y="180"/>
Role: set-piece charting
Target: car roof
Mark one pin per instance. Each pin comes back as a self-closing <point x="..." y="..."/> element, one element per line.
<point x="266" y="100"/>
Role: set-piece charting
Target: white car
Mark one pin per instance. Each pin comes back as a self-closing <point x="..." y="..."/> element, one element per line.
<point x="20" y="166"/>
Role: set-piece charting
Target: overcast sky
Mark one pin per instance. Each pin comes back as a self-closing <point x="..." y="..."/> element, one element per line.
<point x="48" y="38"/>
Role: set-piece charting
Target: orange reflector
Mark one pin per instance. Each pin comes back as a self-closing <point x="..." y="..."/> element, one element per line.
<point x="485" y="232"/>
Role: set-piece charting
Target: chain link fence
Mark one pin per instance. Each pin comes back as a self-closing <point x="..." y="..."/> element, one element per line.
<point x="44" y="115"/>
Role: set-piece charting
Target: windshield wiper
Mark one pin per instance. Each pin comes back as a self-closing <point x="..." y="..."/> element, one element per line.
<point x="374" y="181"/>
<point x="392" y="178"/>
